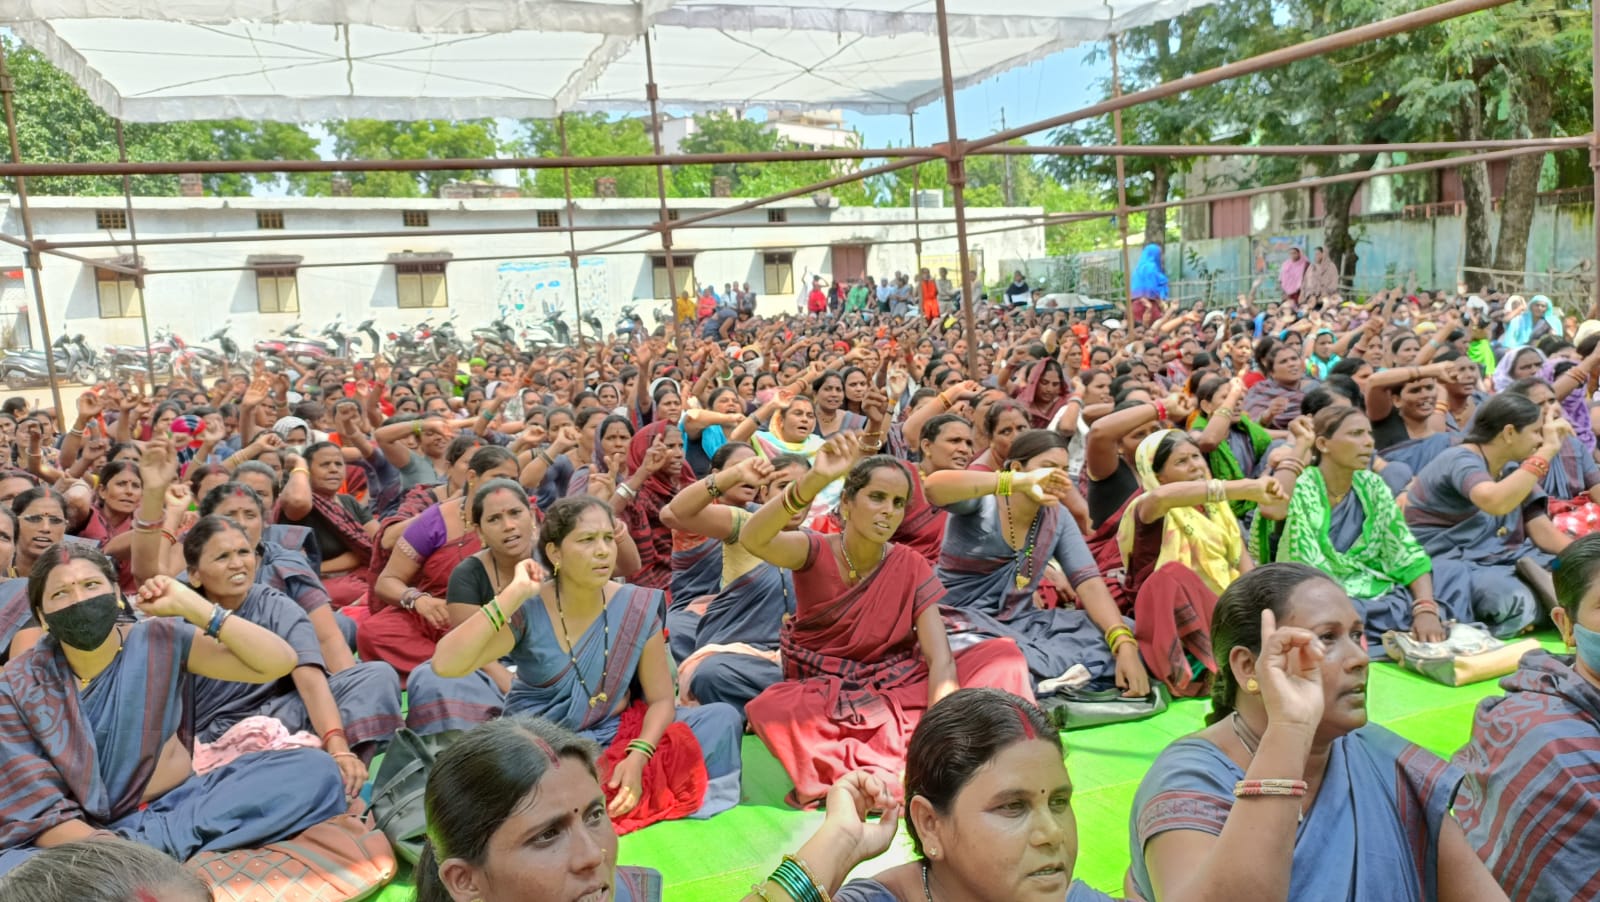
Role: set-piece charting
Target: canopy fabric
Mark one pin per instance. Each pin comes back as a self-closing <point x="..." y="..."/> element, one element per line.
<point x="305" y="60"/>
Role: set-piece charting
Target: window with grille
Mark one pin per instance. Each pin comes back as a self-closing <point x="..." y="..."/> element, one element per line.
<point x="414" y="219"/>
<point x="549" y="219"/>
<point x="277" y="290"/>
<point x="779" y="271"/>
<point x="269" y="219"/>
<point x="111" y="219"/>
<point x="682" y="272"/>
<point x="420" y="285"/>
<point x="120" y="295"/>
<point x="672" y="215"/>
<point x="777" y="216"/>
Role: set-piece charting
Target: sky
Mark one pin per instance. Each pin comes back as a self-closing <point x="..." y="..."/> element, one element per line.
<point x="1059" y="84"/>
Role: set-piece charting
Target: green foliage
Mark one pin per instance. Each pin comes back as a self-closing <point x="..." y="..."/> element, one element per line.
<point x="588" y="135"/>
<point x="426" y="139"/>
<point x="721" y="132"/>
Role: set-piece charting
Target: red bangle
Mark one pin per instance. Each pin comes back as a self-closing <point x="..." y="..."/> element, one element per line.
<point x="1248" y="788"/>
<point x="1161" y="410"/>
<point x="328" y="735"/>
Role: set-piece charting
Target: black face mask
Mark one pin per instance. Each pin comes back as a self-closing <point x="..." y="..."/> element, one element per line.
<point x="85" y="625"/>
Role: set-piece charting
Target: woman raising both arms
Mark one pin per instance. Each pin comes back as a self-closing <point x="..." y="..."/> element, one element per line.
<point x="865" y="653"/>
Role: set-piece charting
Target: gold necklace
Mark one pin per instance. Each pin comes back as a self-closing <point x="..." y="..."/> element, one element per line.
<point x="851" y="565"/>
<point x="83" y="682"/>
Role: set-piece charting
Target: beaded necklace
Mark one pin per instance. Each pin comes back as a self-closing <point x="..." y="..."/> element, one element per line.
<point x="595" y="698"/>
<point x="1026" y="567"/>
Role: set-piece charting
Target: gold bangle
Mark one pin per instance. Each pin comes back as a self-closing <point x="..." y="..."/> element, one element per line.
<point x="305" y="470"/>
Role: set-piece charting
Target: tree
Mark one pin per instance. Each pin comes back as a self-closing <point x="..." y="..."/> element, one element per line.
<point x="722" y="132"/>
<point x="588" y="135"/>
<point x="58" y="123"/>
<point x="426" y="139"/>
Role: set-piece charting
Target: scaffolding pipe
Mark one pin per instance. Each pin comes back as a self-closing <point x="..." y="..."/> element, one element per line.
<point x="1411" y="21"/>
<point x="1122" y="179"/>
<point x="665" y="223"/>
<point x="133" y="243"/>
<point x="957" y="168"/>
<point x="8" y="89"/>
<point x="572" y="239"/>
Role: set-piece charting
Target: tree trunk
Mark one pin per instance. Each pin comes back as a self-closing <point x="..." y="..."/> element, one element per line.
<point x="1155" y="221"/>
<point x="1336" y="200"/>
<point x="1477" y="250"/>
<point x="1522" y="186"/>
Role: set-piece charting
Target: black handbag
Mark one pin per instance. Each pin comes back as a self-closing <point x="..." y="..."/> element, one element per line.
<point x="1079" y="709"/>
<point x="397" y="792"/>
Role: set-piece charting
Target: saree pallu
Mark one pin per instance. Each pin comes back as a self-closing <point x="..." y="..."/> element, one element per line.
<point x="1261" y="395"/>
<point x="981" y="572"/>
<point x="1416" y="453"/>
<point x="696" y="575"/>
<point x="855" y="682"/>
<point x="739" y="632"/>
<point x="14" y="613"/>
<point x="89" y="757"/>
<point x="674" y="781"/>
<point x="1372" y="833"/>
<point x="1529" y="803"/>
<point x="289" y="560"/>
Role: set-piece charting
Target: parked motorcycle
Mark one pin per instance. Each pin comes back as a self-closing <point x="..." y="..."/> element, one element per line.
<point x="72" y="357"/>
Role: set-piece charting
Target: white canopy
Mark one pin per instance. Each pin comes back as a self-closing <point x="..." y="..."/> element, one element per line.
<point x="304" y="60"/>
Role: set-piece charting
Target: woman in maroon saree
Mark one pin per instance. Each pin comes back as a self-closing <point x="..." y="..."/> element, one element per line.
<point x="343" y="527"/>
<point x="1045" y="393"/>
<point x="110" y="523"/>
<point x="655" y="458"/>
<point x="865" y="653"/>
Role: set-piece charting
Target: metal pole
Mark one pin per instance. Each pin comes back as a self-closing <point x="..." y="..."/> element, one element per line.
<point x="7" y="90"/>
<point x="133" y="242"/>
<point x="572" y="240"/>
<point x="957" y="167"/>
<point x="916" y="191"/>
<point x="1122" y="179"/>
<point x="1594" y="155"/>
<point x="651" y="93"/>
<point x="1429" y="15"/>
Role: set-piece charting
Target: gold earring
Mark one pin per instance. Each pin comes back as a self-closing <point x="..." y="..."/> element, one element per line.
<point x="1251" y="686"/>
<point x="933" y="853"/>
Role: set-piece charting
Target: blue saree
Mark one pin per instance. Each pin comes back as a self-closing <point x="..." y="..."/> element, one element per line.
<point x="89" y="756"/>
<point x="696" y="573"/>
<point x="1372" y="833"/>
<point x="980" y="570"/>
<point x="14" y="613"/>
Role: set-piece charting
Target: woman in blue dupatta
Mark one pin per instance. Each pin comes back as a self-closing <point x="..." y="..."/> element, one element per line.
<point x="734" y="657"/>
<point x="1465" y="506"/>
<point x="579" y="642"/>
<point x="1528" y="803"/>
<point x="354" y="710"/>
<point x="99" y="729"/>
<point x="1527" y="326"/>
<point x="1289" y="792"/>
<point x="1004" y="532"/>
<point x="508" y="780"/>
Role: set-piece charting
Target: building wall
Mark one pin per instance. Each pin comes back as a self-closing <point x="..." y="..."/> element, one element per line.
<point x="480" y="291"/>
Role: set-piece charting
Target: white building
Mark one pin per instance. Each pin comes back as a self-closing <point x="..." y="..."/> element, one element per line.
<point x="270" y="273"/>
<point x="809" y="130"/>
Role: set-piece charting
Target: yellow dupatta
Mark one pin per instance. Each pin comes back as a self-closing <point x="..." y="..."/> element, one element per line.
<point x="1206" y="539"/>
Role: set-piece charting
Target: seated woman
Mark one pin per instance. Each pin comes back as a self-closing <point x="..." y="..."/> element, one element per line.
<point x="1528" y="802"/>
<point x="734" y="654"/>
<point x="832" y="416"/>
<point x="576" y="670"/>
<point x="102" y="869"/>
<point x="111" y="521"/>
<point x="697" y="556"/>
<point x="1002" y="422"/>
<point x="354" y="711"/>
<point x="97" y="736"/>
<point x="409" y="597"/>
<point x="1005" y="531"/>
<point x="657" y="471"/>
<point x="14" y="612"/>
<point x="1573" y="483"/>
<point x="1274" y="402"/>
<point x="1108" y="453"/>
<point x="610" y="454"/>
<point x="343" y="527"/>
<point x="1181" y="547"/>
<point x="989" y="816"/>
<point x="1235" y="447"/>
<point x="504" y="782"/>
<point x="1461" y="509"/>
<point x="865" y="653"/>
<point x="1290" y="776"/>
<point x="1343" y="520"/>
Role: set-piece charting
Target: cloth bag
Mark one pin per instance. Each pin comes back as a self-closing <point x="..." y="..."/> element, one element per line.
<point x="1468" y="655"/>
<point x="345" y="859"/>
<point x="1080" y="709"/>
<point x="398" y="790"/>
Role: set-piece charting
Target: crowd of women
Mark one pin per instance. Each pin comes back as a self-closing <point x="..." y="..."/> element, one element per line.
<point x="890" y="550"/>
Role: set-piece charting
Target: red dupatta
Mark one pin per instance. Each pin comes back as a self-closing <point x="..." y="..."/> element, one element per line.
<point x="643" y="514"/>
<point x="674" y="781"/>
<point x="1041" y="419"/>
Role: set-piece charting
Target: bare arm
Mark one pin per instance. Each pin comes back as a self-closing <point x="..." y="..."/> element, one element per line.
<point x="935" y="646"/>
<point x="1100" y="451"/>
<point x="296" y="498"/>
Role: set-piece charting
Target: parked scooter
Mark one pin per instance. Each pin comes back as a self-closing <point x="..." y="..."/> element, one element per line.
<point x="72" y="357"/>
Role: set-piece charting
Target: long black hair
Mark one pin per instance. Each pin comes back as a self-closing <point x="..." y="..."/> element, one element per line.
<point x="1497" y="413"/>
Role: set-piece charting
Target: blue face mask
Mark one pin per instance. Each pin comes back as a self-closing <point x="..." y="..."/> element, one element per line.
<point x="1588" y="642"/>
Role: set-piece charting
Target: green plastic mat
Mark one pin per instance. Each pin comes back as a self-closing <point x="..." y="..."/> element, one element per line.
<point x="718" y="860"/>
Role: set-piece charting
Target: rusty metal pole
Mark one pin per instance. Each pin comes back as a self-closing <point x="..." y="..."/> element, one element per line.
<point x="133" y="242"/>
<point x="1594" y="157"/>
<point x="1122" y="179"/>
<point x="652" y="94"/>
<point x="916" y="189"/>
<point x="7" y="89"/>
<point x="957" y="167"/>
<point x="572" y="239"/>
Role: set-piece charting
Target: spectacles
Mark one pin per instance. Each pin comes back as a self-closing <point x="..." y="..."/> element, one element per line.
<point x="43" y="519"/>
